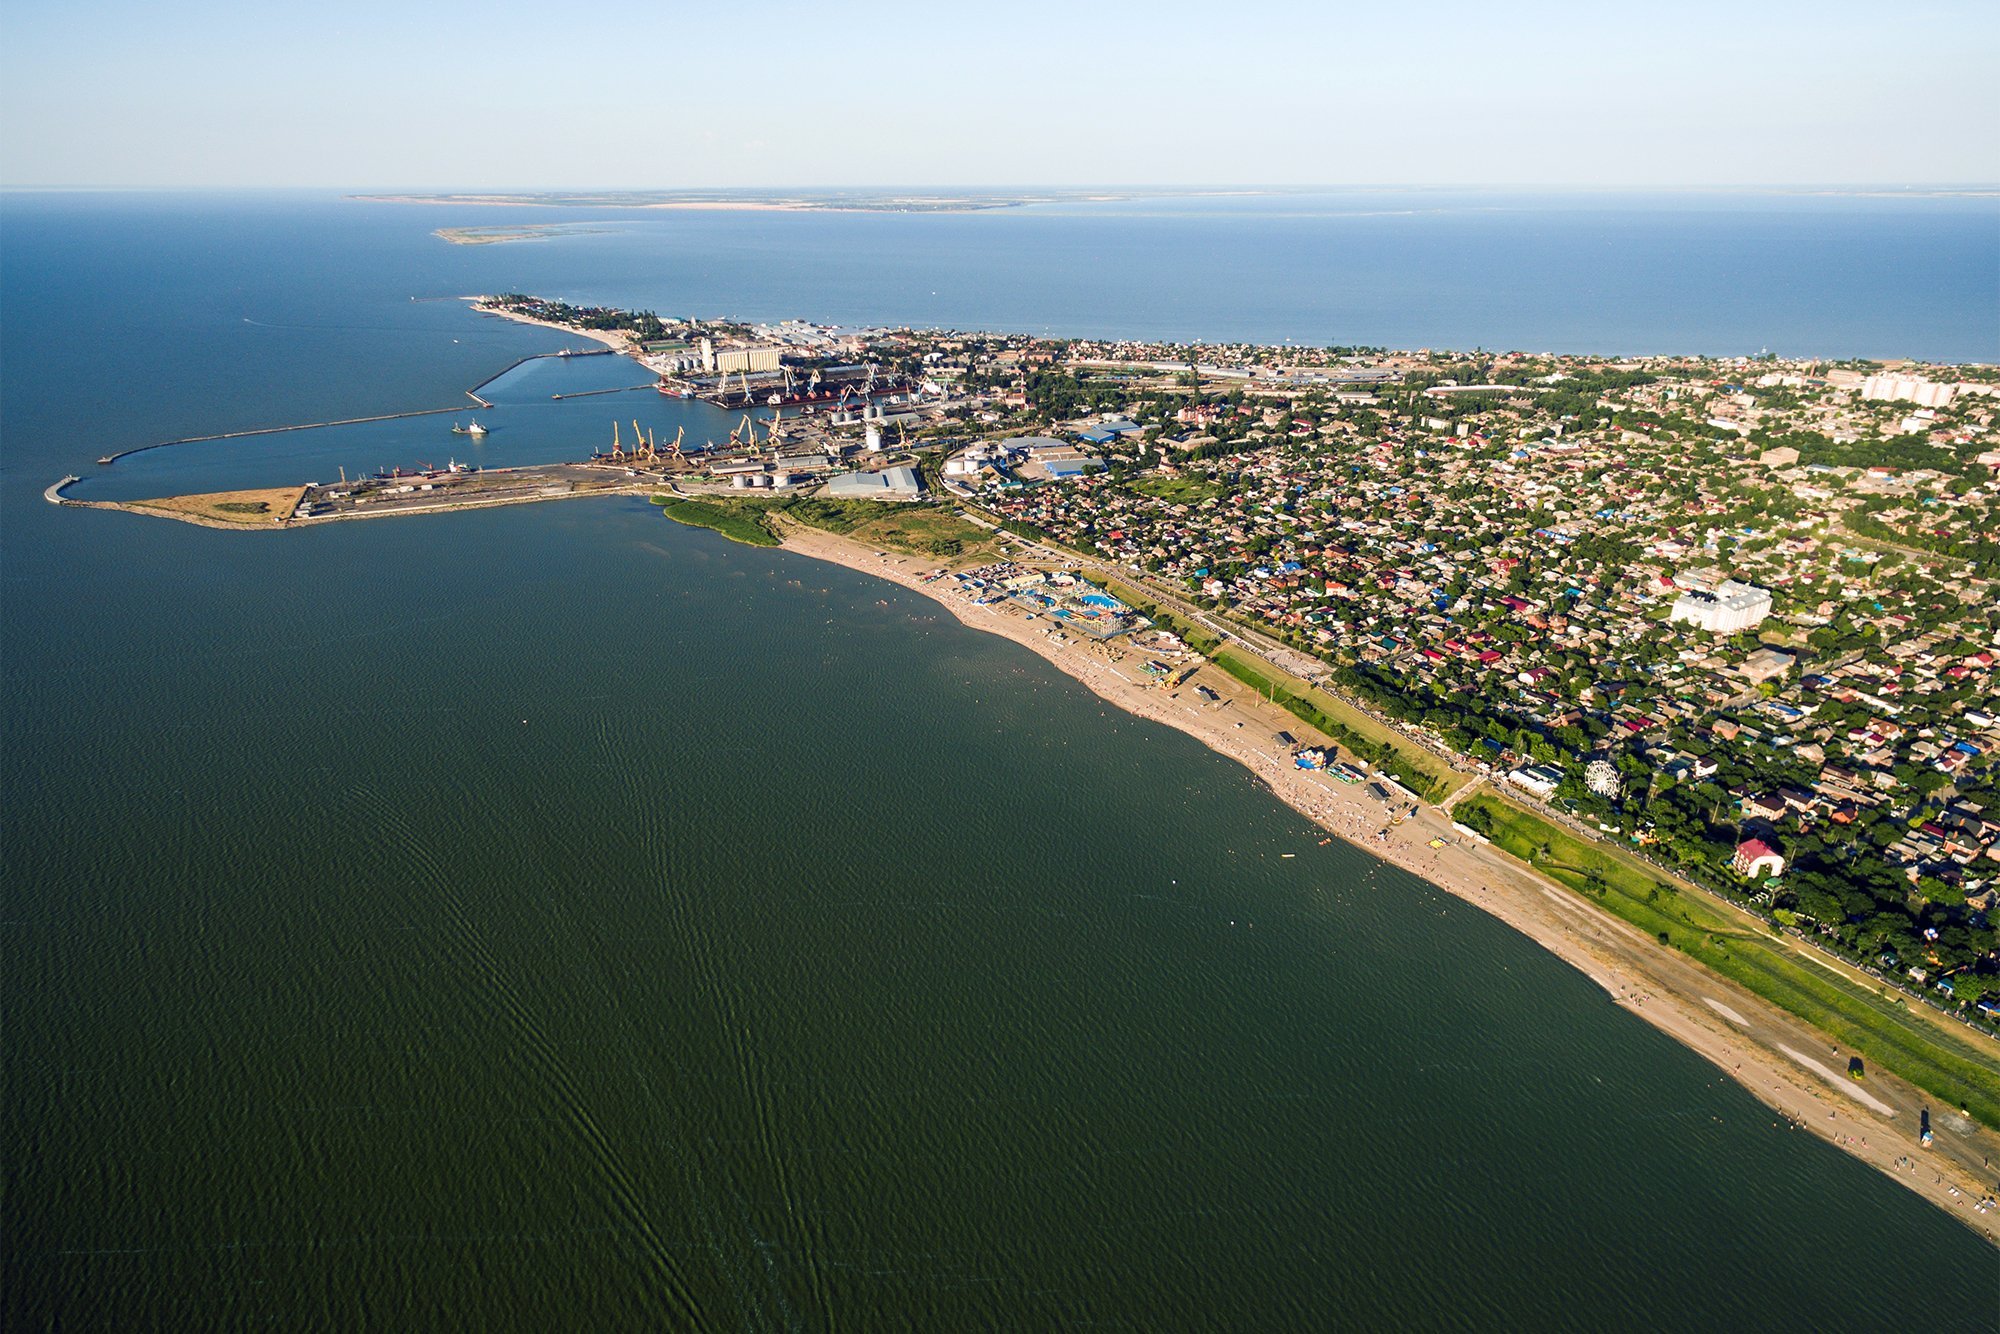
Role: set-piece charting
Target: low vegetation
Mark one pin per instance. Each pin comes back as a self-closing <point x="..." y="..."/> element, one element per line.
<point x="916" y="530"/>
<point x="1181" y="490"/>
<point x="734" y="519"/>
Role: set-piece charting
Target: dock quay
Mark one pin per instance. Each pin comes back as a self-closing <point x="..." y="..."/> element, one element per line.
<point x="435" y="492"/>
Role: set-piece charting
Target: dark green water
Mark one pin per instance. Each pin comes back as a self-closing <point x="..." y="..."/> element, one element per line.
<point x="553" y="918"/>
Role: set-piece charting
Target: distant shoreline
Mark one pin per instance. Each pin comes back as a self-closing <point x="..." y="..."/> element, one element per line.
<point x="853" y="202"/>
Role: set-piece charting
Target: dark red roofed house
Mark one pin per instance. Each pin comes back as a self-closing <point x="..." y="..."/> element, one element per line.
<point x="1755" y="857"/>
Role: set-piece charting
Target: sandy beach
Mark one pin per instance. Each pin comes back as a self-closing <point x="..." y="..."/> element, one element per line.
<point x="1790" y="1067"/>
<point x="617" y="342"/>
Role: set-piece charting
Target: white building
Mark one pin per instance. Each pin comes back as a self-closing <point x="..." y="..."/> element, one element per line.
<point x="1754" y="857"/>
<point x="735" y="359"/>
<point x="1539" y="779"/>
<point x="1908" y="389"/>
<point x="1731" y="607"/>
<point x="889" y="484"/>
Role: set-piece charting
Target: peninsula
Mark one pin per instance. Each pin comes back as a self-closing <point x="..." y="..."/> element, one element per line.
<point x="814" y="201"/>
<point x="1683" y="667"/>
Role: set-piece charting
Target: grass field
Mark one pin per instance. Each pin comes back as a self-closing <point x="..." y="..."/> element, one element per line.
<point x="918" y="530"/>
<point x="253" y="508"/>
<point x="734" y="519"/>
<point x="1882" y="1029"/>
<point x="1176" y="490"/>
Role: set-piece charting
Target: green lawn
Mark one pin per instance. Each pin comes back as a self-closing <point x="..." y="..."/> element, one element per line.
<point x="736" y="520"/>
<point x="1958" y="1070"/>
<point x="913" y="529"/>
<point x="1176" y="490"/>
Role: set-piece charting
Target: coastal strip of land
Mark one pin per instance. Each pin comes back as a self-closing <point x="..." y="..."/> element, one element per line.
<point x="820" y="202"/>
<point x="1781" y="1060"/>
<point x="531" y="231"/>
<point x="280" y="508"/>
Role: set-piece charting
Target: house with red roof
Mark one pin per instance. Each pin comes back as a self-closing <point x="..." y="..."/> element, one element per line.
<point x="1755" y="857"/>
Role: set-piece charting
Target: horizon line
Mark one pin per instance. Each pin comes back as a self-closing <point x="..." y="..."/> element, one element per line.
<point x="364" y="191"/>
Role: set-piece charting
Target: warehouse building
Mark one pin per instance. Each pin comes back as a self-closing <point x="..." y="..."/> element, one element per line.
<point x="889" y="484"/>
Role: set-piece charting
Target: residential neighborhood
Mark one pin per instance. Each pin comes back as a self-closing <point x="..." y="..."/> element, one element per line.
<point x="1740" y="615"/>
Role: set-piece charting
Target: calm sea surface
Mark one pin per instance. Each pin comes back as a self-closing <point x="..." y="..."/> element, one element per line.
<point x="556" y="918"/>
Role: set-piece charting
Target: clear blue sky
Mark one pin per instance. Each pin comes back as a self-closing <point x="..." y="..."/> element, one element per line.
<point x="671" y="95"/>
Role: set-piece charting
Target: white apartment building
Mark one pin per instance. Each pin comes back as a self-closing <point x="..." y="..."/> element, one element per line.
<point x="1731" y="607"/>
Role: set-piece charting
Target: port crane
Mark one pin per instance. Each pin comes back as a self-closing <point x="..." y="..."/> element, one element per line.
<point x="644" y="438"/>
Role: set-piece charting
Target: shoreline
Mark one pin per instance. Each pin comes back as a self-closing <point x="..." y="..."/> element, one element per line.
<point x="1782" y="1062"/>
<point x="617" y="342"/>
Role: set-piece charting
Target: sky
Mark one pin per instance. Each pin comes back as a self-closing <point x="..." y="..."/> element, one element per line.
<point x="667" y="95"/>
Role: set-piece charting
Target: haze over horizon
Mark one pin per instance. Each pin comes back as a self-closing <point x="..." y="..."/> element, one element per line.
<point x="108" y="93"/>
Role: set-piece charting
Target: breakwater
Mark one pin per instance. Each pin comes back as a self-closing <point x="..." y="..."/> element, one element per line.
<point x="591" y="393"/>
<point x="271" y="430"/>
<point x="472" y="393"/>
<point x="519" y="362"/>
